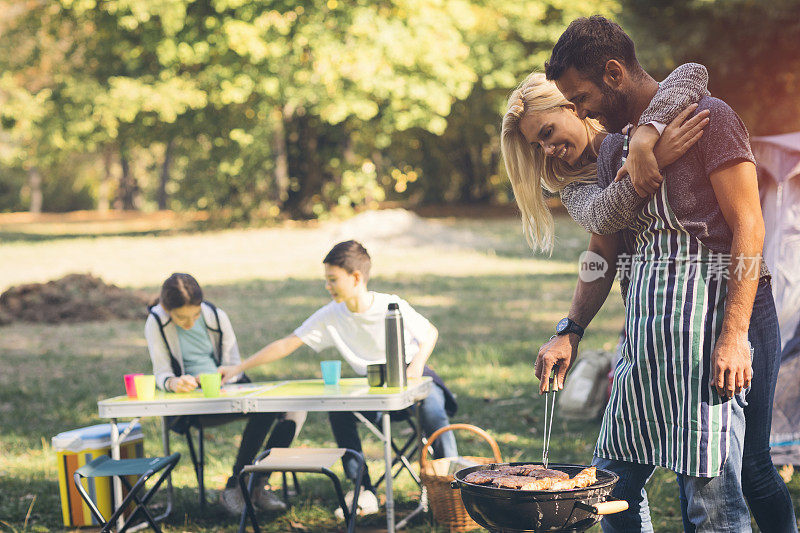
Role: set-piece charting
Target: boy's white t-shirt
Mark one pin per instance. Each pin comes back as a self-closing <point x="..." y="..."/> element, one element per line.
<point x="360" y="338"/>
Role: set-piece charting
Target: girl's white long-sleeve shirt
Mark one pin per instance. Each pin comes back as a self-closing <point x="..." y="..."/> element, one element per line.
<point x="159" y="351"/>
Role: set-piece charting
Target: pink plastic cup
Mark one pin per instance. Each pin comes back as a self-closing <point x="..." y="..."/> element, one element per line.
<point x="130" y="385"/>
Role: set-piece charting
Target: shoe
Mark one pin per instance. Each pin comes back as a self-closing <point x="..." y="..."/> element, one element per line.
<point x="232" y="501"/>
<point x="266" y="500"/>
<point x="367" y="503"/>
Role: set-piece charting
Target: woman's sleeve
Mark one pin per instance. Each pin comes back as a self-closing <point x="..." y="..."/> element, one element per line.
<point x="159" y="355"/>
<point x="684" y="86"/>
<point x="602" y="211"/>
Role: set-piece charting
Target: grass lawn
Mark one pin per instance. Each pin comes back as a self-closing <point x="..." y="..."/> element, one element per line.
<point x="493" y="305"/>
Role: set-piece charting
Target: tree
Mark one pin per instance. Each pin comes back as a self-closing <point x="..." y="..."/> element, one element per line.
<point x="750" y="49"/>
<point x="258" y="108"/>
<point x="507" y="40"/>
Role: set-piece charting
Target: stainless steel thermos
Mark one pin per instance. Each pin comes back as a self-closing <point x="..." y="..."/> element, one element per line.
<point x="395" y="348"/>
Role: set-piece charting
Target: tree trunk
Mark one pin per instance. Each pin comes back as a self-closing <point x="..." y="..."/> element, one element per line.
<point x="281" y="161"/>
<point x="377" y="158"/>
<point x="467" y="171"/>
<point x="35" y="184"/>
<point x="126" y="194"/>
<point x="480" y="174"/>
<point x="313" y="181"/>
<point x="349" y="152"/>
<point x="164" y="178"/>
<point x="104" y="191"/>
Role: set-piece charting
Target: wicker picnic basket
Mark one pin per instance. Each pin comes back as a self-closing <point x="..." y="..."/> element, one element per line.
<point x="446" y="505"/>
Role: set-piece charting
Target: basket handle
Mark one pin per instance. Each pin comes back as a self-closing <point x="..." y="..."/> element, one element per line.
<point x="423" y="458"/>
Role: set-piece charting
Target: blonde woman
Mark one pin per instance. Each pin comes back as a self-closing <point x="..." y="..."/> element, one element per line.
<point x="546" y="145"/>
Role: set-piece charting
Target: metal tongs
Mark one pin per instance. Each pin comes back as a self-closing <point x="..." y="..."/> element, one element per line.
<point x="549" y="411"/>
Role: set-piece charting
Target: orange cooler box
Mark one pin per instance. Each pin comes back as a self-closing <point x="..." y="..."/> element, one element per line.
<point x="80" y="446"/>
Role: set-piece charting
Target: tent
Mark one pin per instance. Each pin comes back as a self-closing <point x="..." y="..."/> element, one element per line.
<point x="778" y="158"/>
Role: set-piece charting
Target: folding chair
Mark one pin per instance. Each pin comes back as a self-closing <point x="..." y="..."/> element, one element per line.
<point x="403" y="454"/>
<point x="309" y="460"/>
<point x="198" y="455"/>
<point x="104" y="466"/>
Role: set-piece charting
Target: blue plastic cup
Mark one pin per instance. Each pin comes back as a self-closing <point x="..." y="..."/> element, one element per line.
<point x="331" y="372"/>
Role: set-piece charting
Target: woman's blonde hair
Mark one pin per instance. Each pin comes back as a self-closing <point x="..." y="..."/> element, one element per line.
<point x="528" y="167"/>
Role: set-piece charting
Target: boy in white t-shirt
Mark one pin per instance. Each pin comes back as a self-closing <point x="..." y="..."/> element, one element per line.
<point x="353" y="323"/>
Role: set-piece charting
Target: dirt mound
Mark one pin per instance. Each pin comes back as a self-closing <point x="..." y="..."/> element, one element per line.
<point x="73" y="298"/>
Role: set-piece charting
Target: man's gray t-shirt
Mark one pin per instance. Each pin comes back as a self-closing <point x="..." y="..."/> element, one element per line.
<point x="689" y="191"/>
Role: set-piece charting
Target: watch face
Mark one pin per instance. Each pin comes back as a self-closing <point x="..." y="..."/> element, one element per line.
<point x="562" y="324"/>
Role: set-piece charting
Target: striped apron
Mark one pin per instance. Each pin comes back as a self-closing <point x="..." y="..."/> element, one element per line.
<point x="663" y="410"/>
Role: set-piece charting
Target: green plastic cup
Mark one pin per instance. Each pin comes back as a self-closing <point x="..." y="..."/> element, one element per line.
<point x="211" y="383"/>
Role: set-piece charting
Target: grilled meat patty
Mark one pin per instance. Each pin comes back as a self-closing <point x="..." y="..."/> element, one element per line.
<point x="511" y="470"/>
<point x="528" y="470"/>
<point x="483" y="477"/>
<point x="532" y="477"/>
<point x="541" y="473"/>
<point x="518" y="482"/>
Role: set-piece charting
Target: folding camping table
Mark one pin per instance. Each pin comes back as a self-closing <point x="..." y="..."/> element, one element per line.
<point x="352" y="394"/>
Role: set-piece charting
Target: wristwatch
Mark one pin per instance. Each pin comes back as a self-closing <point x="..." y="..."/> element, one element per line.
<point x="565" y="326"/>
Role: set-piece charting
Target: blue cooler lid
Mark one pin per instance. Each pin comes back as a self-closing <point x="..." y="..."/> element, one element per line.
<point x="93" y="437"/>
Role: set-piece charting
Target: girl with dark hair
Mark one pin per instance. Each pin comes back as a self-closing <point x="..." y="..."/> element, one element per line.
<point x="188" y="336"/>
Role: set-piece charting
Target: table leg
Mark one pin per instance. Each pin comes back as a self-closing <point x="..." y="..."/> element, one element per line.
<point x="423" y="442"/>
<point x="166" y="448"/>
<point x="115" y="454"/>
<point x="387" y="456"/>
<point x="423" y="498"/>
<point x="201" y="475"/>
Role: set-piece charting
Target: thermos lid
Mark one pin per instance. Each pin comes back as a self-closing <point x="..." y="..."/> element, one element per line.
<point x="393" y="307"/>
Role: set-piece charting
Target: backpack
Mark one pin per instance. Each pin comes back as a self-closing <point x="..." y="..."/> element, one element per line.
<point x="584" y="395"/>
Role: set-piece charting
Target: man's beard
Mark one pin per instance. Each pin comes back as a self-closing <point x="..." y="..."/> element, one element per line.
<point x="614" y="109"/>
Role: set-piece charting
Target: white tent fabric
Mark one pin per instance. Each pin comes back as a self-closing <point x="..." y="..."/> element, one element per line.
<point x="779" y="156"/>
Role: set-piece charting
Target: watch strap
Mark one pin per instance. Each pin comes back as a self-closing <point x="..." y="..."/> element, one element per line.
<point x="571" y="327"/>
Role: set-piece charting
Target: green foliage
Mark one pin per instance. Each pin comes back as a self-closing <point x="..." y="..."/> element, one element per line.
<point x="12" y="182"/>
<point x="750" y="49"/>
<point x="357" y="186"/>
<point x="65" y="191"/>
<point x="273" y="107"/>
